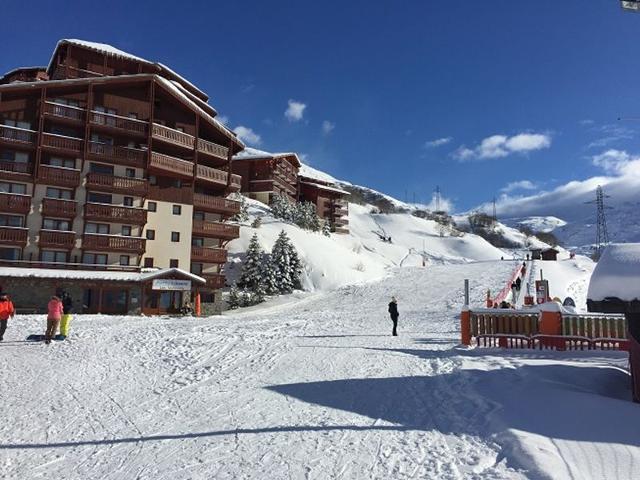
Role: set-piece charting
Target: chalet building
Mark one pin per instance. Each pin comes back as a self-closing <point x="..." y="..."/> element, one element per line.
<point x="330" y="200"/>
<point x="109" y="161"/>
<point x="267" y="174"/>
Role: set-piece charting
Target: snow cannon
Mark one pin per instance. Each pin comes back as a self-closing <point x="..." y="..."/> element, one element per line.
<point x="615" y="288"/>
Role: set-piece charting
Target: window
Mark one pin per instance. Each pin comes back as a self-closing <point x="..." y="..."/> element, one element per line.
<point x="176" y="182"/>
<point x="62" y="162"/>
<point x="53" y="256"/>
<point x="126" y="230"/>
<point x="101" y="139"/>
<point x="152" y="206"/>
<point x="101" y="168"/>
<point x="7" y="187"/>
<point x="104" y="119"/>
<point x="128" y="201"/>
<point x="124" y="260"/>
<point x="197" y="242"/>
<point x="94" y="258"/>
<point x="198" y="216"/>
<point x="101" y="228"/>
<point x="93" y="197"/>
<point x="148" y="262"/>
<point x="130" y="172"/>
<point x="17" y="124"/>
<point x="20" y="157"/>
<point x="196" y="268"/>
<point x="173" y="263"/>
<point x="177" y="209"/>
<point x="53" y="192"/>
<point x="151" y="234"/>
<point x="153" y="180"/>
<point x="180" y="129"/>
<point x="175" y="236"/>
<point x="72" y="102"/>
<point x="11" y="221"/>
<point x="9" y="254"/>
<point x="55" y="224"/>
<point x="133" y="115"/>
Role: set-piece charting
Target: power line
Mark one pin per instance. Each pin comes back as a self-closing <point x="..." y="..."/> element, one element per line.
<point x="602" y="233"/>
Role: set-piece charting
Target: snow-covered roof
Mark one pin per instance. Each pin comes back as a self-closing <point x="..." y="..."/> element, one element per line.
<point x="312" y="173"/>
<point x="326" y="187"/>
<point x="114" y="276"/>
<point x="617" y="274"/>
<point x="14" y="70"/>
<point x="254" y="154"/>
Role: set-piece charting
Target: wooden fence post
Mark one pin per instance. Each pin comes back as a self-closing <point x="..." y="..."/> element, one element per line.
<point x="465" y="326"/>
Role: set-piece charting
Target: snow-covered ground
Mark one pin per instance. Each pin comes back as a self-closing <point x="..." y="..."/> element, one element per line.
<point x="313" y="388"/>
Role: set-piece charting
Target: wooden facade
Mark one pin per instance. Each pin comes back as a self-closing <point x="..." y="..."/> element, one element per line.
<point x="266" y="174"/>
<point x="330" y="201"/>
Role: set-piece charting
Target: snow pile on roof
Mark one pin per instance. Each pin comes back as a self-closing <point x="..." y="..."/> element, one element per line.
<point x="617" y="274"/>
<point x="104" y="48"/>
<point x="253" y="153"/>
<point x="314" y="174"/>
<point x="114" y="276"/>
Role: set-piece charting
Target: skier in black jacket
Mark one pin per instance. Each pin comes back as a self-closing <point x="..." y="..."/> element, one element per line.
<point x="393" y="311"/>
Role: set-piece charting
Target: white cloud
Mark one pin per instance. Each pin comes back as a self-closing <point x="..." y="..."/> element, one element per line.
<point x="499" y="146"/>
<point x="223" y="119"/>
<point x="247" y="135"/>
<point x="295" y="111"/>
<point x="586" y="122"/>
<point x="445" y="204"/>
<point x="519" y="185"/>
<point x="438" y="142"/>
<point x="617" y="162"/>
<point x="612" y="134"/>
<point x="327" y="127"/>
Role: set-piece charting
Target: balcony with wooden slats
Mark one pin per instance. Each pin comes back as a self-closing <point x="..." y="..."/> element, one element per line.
<point x="172" y="136"/>
<point x="173" y="166"/>
<point x="15" y="236"/>
<point x="236" y="182"/>
<point x="15" y="203"/>
<point x="17" y="136"/>
<point x="100" y="212"/>
<point x="16" y="170"/>
<point x="61" y="143"/>
<point x="57" y="239"/>
<point x="113" y="243"/>
<point x="103" y="182"/>
<point x="56" y="207"/>
<point x="209" y="203"/>
<point x="341" y="221"/>
<point x="132" y="157"/>
<point x="64" y="112"/>
<point x="215" y="281"/>
<point x="58" y="176"/>
<point x="218" y="230"/>
<point x="116" y="122"/>
<point x="208" y="254"/>
<point x="211" y="175"/>
<point x="213" y="149"/>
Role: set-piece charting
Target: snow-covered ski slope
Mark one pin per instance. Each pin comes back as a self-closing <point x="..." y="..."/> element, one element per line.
<point x="315" y="389"/>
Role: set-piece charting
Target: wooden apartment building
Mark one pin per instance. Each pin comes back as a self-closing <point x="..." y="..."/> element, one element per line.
<point x="330" y="200"/>
<point x="109" y="161"/>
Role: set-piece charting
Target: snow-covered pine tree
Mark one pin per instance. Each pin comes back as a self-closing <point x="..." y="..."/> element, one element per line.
<point x="243" y="214"/>
<point x="282" y="208"/>
<point x="257" y="223"/>
<point x="270" y="276"/>
<point x="280" y="257"/>
<point x="326" y="228"/>
<point x="295" y="265"/>
<point x="234" y="300"/>
<point x="252" y="267"/>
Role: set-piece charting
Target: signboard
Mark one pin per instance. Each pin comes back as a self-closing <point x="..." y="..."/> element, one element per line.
<point x="542" y="291"/>
<point x="166" y="284"/>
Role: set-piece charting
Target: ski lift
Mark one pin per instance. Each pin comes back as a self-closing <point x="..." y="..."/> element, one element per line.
<point x="631" y="5"/>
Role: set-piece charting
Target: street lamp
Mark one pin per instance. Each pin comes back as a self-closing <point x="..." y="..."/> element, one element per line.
<point x="631" y="5"/>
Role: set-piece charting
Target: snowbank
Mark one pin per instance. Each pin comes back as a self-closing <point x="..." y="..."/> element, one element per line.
<point x="617" y="274"/>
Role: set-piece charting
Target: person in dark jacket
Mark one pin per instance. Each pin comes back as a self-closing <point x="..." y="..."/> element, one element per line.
<point x="393" y="312"/>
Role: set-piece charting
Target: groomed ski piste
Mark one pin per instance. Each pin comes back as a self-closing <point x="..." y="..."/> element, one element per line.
<point x="312" y="385"/>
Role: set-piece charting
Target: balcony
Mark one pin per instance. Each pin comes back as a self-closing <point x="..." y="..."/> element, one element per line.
<point x="209" y="203"/>
<point x="215" y="281"/>
<point x="172" y="136"/>
<point x="221" y="231"/>
<point x="341" y="221"/>
<point x="116" y="122"/>
<point x="208" y="255"/>
<point x="66" y="112"/>
<point x="16" y="170"/>
<point x="20" y="136"/>
<point x="13" y="236"/>
<point x="171" y="165"/>
<point x="58" y="176"/>
<point x="55" y="207"/>
<point x="236" y="182"/>
<point x="15" y="203"/>
<point x="113" y="243"/>
<point x="57" y="239"/>
<point x="122" y="155"/>
<point x="342" y="230"/>
<point x="213" y="149"/>
<point x="115" y="213"/>
<point x="60" y="142"/>
<point x="211" y="175"/>
<point x="110" y="183"/>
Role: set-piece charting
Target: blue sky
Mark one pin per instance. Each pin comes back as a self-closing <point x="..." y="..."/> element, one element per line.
<point x="542" y="83"/>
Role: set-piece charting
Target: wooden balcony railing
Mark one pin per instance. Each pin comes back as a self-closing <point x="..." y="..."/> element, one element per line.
<point x="215" y="281"/>
<point x="213" y="149"/>
<point x="115" y="213"/>
<point x="212" y="175"/>
<point x="18" y="135"/>
<point x="124" y="155"/>
<point x="172" y="165"/>
<point x="62" y="143"/>
<point x="55" y="207"/>
<point x="64" y="111"/>
<point x="69" y="71"/>
<point x="341" y="221"/>
<point x="121" y="123"/>
<point x="113" y="243"/>
<point x="57" y="239"/>
<point x="13" y="236"/>
<point x="236" y="181"/>
<point x="222" y="231"/>
<point x="58" y="176"/>
<point x="15" y="203"/>
<point x="213" y="204"/>
<point x="114" y="184"/>
<point x="209" y="255"/>
<point x="25" y="168"/>
<point x="170" y="135"/>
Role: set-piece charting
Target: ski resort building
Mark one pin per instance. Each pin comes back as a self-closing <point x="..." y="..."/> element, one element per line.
<point x="330" y="200"/>
<point x="112" y="162"/>
<point x="267" y="174"/>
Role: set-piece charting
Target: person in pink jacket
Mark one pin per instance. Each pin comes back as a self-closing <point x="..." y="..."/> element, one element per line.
<point x="55" y="311"/>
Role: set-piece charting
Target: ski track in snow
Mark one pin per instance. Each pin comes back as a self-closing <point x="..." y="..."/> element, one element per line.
<point x="311" y="389"/>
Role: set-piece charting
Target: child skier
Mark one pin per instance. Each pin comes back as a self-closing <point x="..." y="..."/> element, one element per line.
<point x="54" y="314"/>
<point x="393" y="312"/>
<point x="67" y="305"/>
<point x="6" y="311"/>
